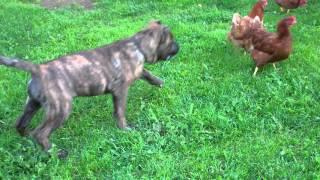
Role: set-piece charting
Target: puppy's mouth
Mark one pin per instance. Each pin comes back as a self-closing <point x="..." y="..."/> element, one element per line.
<point x="174" y="50"/>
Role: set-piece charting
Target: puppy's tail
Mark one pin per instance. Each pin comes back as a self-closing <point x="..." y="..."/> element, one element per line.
<point x="19" y="64"/>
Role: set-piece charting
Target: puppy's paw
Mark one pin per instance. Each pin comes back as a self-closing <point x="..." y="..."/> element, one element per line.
<point x="127" y="128"/>
<point x="159" y="83"/>
<point x="23" y="131"/>
<point x="62" y="154"/>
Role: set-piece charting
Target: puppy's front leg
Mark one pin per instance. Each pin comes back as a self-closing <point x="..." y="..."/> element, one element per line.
<point x="150" y="78"/>
<point x="119" y="103"/>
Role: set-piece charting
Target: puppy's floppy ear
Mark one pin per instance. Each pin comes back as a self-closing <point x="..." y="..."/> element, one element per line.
<point x="150" y="42"/>
<point x="154" y="24"/>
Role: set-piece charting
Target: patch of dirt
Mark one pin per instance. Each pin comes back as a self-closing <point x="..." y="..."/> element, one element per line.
<point x="51" y="4"/>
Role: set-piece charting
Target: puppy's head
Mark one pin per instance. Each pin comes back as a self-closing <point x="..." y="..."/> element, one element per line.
<point x="158" y="43"/>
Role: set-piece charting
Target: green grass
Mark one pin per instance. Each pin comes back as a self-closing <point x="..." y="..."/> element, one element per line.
<point x="211" y="120"/>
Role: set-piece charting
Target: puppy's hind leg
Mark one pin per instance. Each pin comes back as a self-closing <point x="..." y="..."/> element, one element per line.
<point x="31" y="108"/>
<point x="150" y="78"/>
<point x="54" y="117"/>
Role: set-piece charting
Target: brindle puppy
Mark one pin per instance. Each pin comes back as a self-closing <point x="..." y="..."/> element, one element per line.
<point x="107" y="69"/>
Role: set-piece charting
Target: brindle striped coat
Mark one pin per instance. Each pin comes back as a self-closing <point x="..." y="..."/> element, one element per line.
<point x="107" y="69"/>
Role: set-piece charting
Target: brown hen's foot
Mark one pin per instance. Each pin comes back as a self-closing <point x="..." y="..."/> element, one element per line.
<point x="282" y="9"/>
<point x="288" y="11"/>
<point x="255" y="72"/>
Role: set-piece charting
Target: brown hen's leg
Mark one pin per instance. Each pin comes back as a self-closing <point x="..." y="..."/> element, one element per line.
<point x="255" y="72"/>
<point x="288" y="11"/>
<point x="282" y="9"/>
<point x="274" y="66"/>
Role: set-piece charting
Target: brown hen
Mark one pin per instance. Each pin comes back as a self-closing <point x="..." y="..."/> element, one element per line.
<point x="241" y="25"/>
<point x="240" y="31"/>
<point x="290" y="4"/>
<point x="271" y="47"/>
<point x="258" y="9"/>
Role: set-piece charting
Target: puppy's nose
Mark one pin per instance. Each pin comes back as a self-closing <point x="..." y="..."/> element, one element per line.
<point x="175" y="47"/>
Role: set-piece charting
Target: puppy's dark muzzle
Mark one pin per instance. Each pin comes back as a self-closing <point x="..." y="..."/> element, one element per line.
<point x="174" y="50"/>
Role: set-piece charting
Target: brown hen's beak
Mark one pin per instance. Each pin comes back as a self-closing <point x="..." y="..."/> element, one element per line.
<point x="294" y="20"/>
<point x="266" y="4"/>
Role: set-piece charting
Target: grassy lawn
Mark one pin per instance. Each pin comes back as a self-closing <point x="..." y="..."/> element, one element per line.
<point x="212" y="119"/>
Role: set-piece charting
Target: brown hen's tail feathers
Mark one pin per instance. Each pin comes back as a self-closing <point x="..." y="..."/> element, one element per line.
<point x="19" y="64"/>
